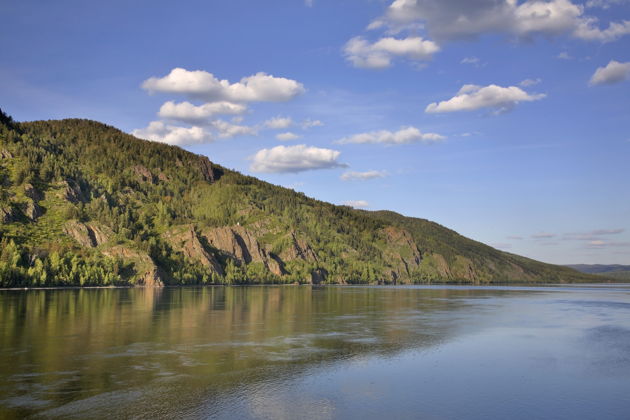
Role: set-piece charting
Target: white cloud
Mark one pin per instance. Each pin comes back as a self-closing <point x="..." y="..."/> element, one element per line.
<point x="362" y="176"/>
<point x="308" y="3"/>
<point x="378" y="55"/>
<point x="564" y="56"/>
<point x="308" y="123"/>
<point x="187" y="112"/>
<point x="614" y="72"/>
<point x="297" y="158"/>
<point x="278" y="123"/>
<point x="530" y="82"/>
<point x="199" y="84"/>
<point x="170" y="134"/>
<point x="403" y="136"/>
<point x="456" y="19"/>
<point x="604" y="4"/>
<point x="473" y="97"/>
<point x="470" y="60"/>
<point x="287" y="136"/>
<point x="357" y="204"/>
<point x="226" y="130"/>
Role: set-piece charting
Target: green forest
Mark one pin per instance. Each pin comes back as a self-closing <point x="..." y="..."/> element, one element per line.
<point x="85" y="204"/>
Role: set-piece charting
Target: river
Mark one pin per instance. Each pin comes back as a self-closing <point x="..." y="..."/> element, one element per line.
<point x="301" y="352"/>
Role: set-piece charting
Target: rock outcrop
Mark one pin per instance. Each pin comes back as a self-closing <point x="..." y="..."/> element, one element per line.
<point x="71" y="191"/>
<point x="32" y="210"/>
<point x="208" y="171"/>
<point x="89" y="235"/>
<point x="238" y="243"/>
<point x="147" y="273"/>
<point x="185" y="240"/>
<point x="298" y="249"/>
<point x="5" y="154"/>
<point x="143" y="174"/>
<point x="7" y="214"/>
<point x="32" y="193"/>
<point x="402" y="253"/>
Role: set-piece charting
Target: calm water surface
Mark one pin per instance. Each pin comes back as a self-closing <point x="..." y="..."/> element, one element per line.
<point x="320" y="353"/>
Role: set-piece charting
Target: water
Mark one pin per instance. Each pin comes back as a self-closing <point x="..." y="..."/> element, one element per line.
<point x="320" y="353"/>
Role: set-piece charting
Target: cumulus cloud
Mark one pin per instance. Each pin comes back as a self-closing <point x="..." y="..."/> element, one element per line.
<point x="379" y="55"/>
<point x="278" y="123"/>
<point x="287" y="136"/>
<point x="199" y="84"/>
<point x="297" y="158"/>
<point x="614" y="72"/>
<point x="403" y="136"/>
<point x="588" y="31"/>
<point x="189" y="113"/>
<point x="174" y="135"/>
<point x="604" y="4"/>
<point x="226" y="130"/>
<point x="357" y="204"/>
<point x="473" y="97"/>
<point x="457" y="19"/>
<point x="362" y="176"/>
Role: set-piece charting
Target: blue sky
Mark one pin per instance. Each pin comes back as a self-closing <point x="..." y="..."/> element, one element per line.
<point x="507" y="121"/>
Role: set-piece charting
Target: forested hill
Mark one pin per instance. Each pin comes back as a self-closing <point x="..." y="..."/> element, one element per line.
<point x="83" y="203"/>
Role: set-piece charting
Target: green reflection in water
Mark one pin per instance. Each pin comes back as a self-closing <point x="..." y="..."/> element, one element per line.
<point x="167" y="346"/>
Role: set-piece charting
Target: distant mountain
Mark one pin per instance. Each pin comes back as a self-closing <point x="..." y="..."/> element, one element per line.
<point x="614" y="271"/>
<point x="83" y="203"/>
<point x="599" y="268"/>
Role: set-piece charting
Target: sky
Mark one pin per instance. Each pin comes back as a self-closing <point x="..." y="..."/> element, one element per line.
<point x="507" y="121"/>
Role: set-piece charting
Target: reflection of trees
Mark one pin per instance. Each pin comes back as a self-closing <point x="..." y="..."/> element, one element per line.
<point x="62" y="346"/>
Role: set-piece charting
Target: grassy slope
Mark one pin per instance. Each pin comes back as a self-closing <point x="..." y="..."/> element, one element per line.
<point x="140" y="191"/>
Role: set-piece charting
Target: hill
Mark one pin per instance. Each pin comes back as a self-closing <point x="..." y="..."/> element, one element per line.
<point x="83" y="203"/>
<point x="614" y="271"/>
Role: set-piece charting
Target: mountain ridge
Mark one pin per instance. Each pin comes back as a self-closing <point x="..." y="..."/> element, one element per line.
<point x="84" y="203"/>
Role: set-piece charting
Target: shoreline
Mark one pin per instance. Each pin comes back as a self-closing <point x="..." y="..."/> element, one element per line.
<point x="603" y="283"/>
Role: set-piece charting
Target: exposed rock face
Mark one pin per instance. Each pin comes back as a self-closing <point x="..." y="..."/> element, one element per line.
<point x="5" y="154"/>
<point x="144" y="174"/>
<point x="148" y="274"/>
<point x="208" y="172"/>
<point x="403" y="254"/>
<point x="88" y="235"/>
<point x="239" y="244"/>
<point x="32" y="210"/>
<point x="7" y="214"/>
<point x="71" y="192"/>
<point x="185" y="240"/>
<point x="32" y="193"/>
<point x="298" y="249"/>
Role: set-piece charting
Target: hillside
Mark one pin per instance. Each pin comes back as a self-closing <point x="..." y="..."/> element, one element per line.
<point x="614" y="271"/>
<point x="83" y="203"/>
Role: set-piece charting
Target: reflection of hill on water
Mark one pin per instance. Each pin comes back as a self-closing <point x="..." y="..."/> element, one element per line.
<point x="146" y="349"/>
